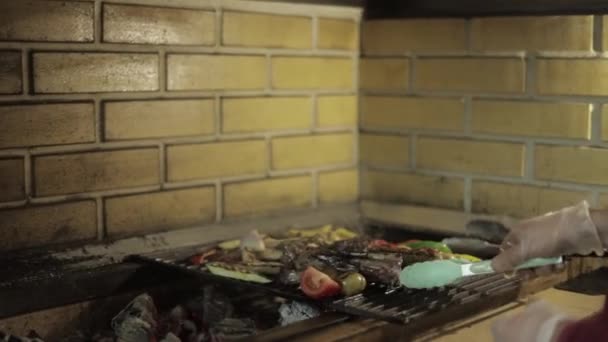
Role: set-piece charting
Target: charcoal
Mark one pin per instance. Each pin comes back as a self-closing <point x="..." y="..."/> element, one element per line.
<point x="216" y="306"/>
<point x="171" y="338"/>
<point x="296" y="311"/>
<point x="233" y="328"/>
<point x="289" y="277"/>
<point x="137" y="321"/>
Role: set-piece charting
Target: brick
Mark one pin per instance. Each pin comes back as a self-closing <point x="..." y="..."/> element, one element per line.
<point x="157" y="25"/>
<point x="12" y="180"/>
<point x="152" y="212"/>
<point x="264" y="30"/>
<point x="571" y="76"/>
<point x="413" y="188"/>
<point x="208" y="72"/>
<point x="538" y="119"/>
<point x="334" y="111"/>
<point x="391" y="112"/>
<point x="28" y="125"/>
<point x="520" y="200"/>
<point x="491" y="75"/>
<point x="337" y="34"/>
<point x="223" y="159"/>
<point x="563" y="33"/>
<point x="605" y="32"/>
<point x="400" y="36"/>
<point x="10" y="72"/>
<point x="312" y="73"/>
<point x="267" y="195"/>
<point x="47" y="225"/>
<point x="483" y="157"/>
<point x="384" y="150"/>
<point x="603" y="201"/>
<point x="54" y="21"/>
<point x="95" y="171"/>
<point x="312" y="151"/>
<point x="572" y="164"/>
<point x="265" y="114"/>
<point x="338" y="186"/>
<point x="384" y="73"/>
<point x="75" y="72"/>
<point x="157" y="119"/>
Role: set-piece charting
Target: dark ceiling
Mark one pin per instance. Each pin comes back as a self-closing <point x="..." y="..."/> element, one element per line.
<point x="386" y="9"/>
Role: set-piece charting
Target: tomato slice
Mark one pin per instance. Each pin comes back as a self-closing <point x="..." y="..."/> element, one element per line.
<point x="316" y="284"/>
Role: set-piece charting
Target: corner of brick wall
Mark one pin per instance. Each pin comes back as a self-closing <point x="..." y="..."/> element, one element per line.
<point x="487" y="115"/>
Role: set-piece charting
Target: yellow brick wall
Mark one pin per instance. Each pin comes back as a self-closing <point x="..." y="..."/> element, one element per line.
<point x="489" y="115"/>
<point x="121" y="118"/>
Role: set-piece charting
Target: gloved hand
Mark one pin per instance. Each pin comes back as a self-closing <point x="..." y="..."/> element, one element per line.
<point x="539" y="322"/>
<point x="567" y="231"/>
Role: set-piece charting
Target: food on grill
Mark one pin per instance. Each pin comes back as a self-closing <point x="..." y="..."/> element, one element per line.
<point x="417" y="244"/>
<point x="317" y="285"/>
<point x="324" y="262"/>
<point x="294" y="311"/>
<point x="352" y="284"/>
<point x="236" y="271"/>
<point x="253" y="242"/>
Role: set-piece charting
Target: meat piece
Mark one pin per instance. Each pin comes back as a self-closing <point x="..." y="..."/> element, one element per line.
<point x="354" y="247"/>
<point x="418" y="255"/>
<point x="382" y="271"/>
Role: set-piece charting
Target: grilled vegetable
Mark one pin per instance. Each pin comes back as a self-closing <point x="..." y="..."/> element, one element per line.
<point x="317" y="285"/>
<point x="263" y="267"/>
<point x="236" y="272"/>
<point x="310" y="232"/>
<point x="253" y="241"/>
<point x="428" y="244"/>
<point x="230" y="244"/>
<point x="270" y="254"/>
<point x="352" y="284"/>
<point x="201" y="258"/>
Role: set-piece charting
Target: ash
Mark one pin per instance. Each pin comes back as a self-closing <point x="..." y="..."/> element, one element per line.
<point x="294" y="311"/>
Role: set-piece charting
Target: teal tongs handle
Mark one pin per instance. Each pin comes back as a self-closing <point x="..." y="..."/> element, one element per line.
<point x="483" y="267"/>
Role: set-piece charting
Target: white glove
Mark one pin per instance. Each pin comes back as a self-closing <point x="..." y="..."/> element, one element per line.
<point x="539" y="322"/>
<point x="564" y="232"/>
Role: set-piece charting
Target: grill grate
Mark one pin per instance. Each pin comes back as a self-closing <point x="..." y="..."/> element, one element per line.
<point x="418" y="309"/>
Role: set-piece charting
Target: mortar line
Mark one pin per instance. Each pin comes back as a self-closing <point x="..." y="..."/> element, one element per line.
<point x="13" y="204"/>
<point x="595" y="133"/>
<point x="93" y="194"/>
<point x="151" y="95"/>
<point x="598" y="32"/>
<point x="101" y="231"/>
<point x="269" y="161"/>
<point x="528" y="167"/>
<point x="499" y="179"/>
<point x="467" y="194"/>
<point x="174" y="185"/>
